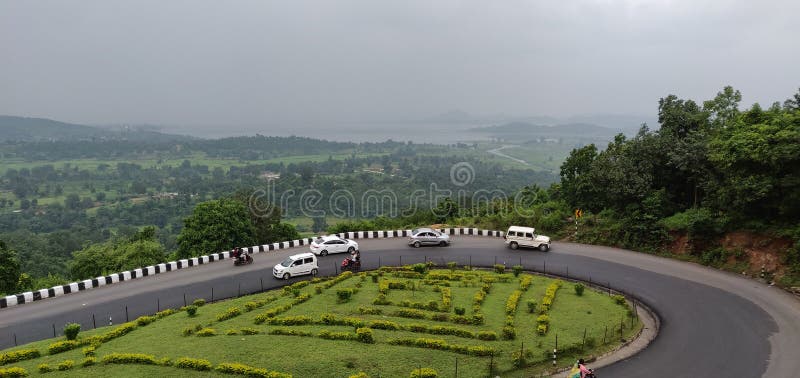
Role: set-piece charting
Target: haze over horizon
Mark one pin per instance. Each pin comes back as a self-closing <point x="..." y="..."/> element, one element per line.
<point x="322" y="64"/>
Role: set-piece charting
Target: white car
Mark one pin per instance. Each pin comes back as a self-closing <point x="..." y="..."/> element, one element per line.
<point x="526" y="237"/>
<point x="428" y="236"/>
<point x="324" y="245"/>
<point x="296" y="265"/>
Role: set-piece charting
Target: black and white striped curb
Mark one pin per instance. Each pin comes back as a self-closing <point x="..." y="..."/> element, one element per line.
<point x="57" y="291"/>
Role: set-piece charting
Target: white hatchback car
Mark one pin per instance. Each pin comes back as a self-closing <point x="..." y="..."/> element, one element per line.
<point x="526" y="237"/>
<point x="324" y="245"/>
<point x="296" y="265"/>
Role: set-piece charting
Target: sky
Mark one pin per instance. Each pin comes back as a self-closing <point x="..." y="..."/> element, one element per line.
<point x="322" y="63"/>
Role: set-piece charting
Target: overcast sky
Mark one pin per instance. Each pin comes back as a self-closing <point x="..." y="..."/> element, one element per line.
<point x="270" y="62"/>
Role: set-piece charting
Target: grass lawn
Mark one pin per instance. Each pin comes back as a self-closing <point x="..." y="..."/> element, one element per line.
<point x="307" y="331"/>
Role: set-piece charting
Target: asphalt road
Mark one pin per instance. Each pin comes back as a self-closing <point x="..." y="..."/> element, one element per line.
<point x="712" y="323"/>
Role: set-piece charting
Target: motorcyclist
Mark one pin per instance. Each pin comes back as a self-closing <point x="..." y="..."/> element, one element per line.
<point x="585" y="372"/>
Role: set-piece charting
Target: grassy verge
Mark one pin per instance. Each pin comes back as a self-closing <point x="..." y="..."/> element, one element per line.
<point x="318" y="328"/>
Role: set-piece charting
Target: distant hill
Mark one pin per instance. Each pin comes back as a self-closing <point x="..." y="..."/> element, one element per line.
<point x="528" y="130"/>
<point x="41" y="129"/>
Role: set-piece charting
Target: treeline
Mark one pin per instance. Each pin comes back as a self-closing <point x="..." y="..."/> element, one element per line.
<point x="708" y="169"/>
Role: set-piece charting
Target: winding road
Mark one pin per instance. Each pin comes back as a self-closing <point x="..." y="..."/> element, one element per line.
<point x="713" y="323"/>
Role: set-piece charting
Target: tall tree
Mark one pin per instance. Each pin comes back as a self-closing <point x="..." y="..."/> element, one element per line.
<point x="215" y="226"/>
<point x="9" y="269"/>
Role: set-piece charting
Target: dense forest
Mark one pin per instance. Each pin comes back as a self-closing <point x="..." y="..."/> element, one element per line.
<point x="709" y="168"/>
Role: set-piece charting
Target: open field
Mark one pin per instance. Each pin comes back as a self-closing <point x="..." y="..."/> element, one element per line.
<point x="382" y="323"/>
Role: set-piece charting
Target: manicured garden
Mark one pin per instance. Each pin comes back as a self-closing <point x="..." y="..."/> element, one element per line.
<point x="395" y="322"/>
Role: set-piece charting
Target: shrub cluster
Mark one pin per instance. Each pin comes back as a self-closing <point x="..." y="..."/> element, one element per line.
<point x="18" y="355"/>
<point x="619" y="299"/>
<point x="63" y="346"/>
<point x="191" y="310"/>
<point x="509" y="333"/>
<point x="339" y="278"/>
<point x="384" y="324"/>
<point x="206" y="332"/>
<point x="333" y="319"/>
<point x="579" y="289"/>
<point x="499" y="268"/>
<point x="406" y="274"/>
<point x="289" y="332"/>
<point x="531" y="306"/>
<point x="409" y="313"/>
<point x="44" y="368"/>
<point x="549" y="296"/>
<point x="72" y="330"/>
<point x="440" y="344"/>
<point x="511" y="303"/>
<point x="271" y="313"/>
<point x="364" y="335"/>
<point x="291" y="320"/>
<point x="517" y="269"/>
<point x="13" y="372"/>
<point x="199" y="302"/>
<point x="444" y="276"/>
<point x="193" y="364"/>
<point x="459" y="310"/>
<point x="487" y="335"/>
<point x="344" y="295"/>
<point x="229" y="314"/>
<point x="368" y="310"/>
<point x="129" y="358"/>
<point x="424" y="373"/>
<point x="521" y="359"/>
<point x="145" y="320"/>
<point x="446" y="298"/>
<point x="381" y="300"/>
<point x="249" y="371"/>
<point x="249" y="331"/>
<point x="328" y="335"/>
<point x="525" y="282"/>
<point x="65" y="365"/>
<point x="166" y="312"/>
<point x="543" y="323"/>
<point x="88" y="361"/>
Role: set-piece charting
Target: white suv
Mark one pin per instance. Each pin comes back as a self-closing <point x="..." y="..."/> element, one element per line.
<point x="526" y="237"/>
<point x="296" y="265"/>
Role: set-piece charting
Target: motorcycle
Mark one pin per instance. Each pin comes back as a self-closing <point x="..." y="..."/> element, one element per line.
<point x="241" y="258"/>
<point x="351" y="264"/>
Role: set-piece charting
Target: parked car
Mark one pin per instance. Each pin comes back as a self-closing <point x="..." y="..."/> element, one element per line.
<point x="324" y="245"/>
<point x="517" y="237"/>
<point x="296" y="265"/>
<point x="428" y="236"/>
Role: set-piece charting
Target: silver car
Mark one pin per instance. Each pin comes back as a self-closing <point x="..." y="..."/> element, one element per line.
<point x="428" y="236"/>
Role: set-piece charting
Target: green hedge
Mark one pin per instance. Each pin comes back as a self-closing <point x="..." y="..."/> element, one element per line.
<point x="424" y="373"/>
<point x="18" y="355"/>
<point x="229" y="314"/>
<point x="63" y="346"/>
<point x="249" y="371"/>
<point x="193" y="364"/>
<point x="129" y="358"/>
<point x="13" y="372"/>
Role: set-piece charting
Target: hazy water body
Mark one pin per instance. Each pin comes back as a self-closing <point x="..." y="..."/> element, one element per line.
<point x="436" y="133"/>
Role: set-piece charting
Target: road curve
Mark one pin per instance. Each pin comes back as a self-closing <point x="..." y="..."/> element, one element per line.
<point x="712" y="323"/>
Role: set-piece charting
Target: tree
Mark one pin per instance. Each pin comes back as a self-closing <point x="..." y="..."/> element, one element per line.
<point x="9" y="269"/>
<point x="319" y="224"/>
<point x="724" y="108"/>
<point x="215" y="226"/>
<point x="266" y="219"/>
<point x="139" y="253"/>
<point x="576" y="185"/>
<point x="92" y="261"/>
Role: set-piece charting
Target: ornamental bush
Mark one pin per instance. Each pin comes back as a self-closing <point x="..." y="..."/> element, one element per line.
<point x="531" y="306"/>
<point x="344" y="295"/>
<point x="459" y="310"/>
<point x="499" y="268"/>
<point x="193" y="364"/>
<point x="62" y="346"/>
<point x="365" y="335"/>
<point x="18" y="355"/>
<point x="145" y="320"/>
<point x="424" y="373"/>
<point x="487" y="335"/>
<point x="13" y="372"/>
<point x="72" y="330"/>
<point x="206" y="332"/>
<point x="129" y="358"/>
<point x="509" y="333"/>
<point x="579" y="289"/>
<point x="88" y="361"/>
<point x="249" y="371"/>
<point x="191" y="310"/>
<point x="384" y="324"/>
<point x="517" y="269"/>
<point x="65" y="365"/>
<point x="229" y="314"/>
<point x="44" y="368"/>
